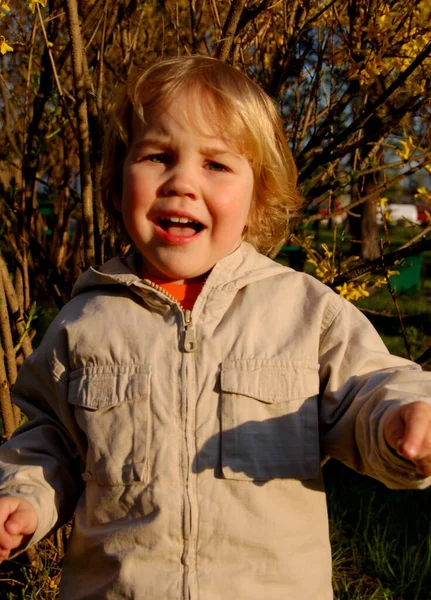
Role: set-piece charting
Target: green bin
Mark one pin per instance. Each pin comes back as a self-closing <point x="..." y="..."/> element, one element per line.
<point x="409" y="278"/>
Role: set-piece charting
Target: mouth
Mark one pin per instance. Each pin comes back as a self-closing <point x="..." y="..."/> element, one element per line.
<point x="179" y="226"/>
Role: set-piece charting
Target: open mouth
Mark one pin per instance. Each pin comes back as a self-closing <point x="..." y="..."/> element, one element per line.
<point x="181" y="226"/>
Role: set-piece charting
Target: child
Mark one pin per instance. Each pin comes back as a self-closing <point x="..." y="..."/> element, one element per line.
<point x="180" y="405"/>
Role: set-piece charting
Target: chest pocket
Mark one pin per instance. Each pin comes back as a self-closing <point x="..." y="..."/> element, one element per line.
<point x="112" y="408"/>
<point x="269" y="420"/>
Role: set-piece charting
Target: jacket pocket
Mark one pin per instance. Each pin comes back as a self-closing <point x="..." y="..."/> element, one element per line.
<point x="269" y="420"/>
<point x="112" y="408"/>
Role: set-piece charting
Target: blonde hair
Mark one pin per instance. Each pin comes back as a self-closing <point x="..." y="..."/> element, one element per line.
<point x="244" y="115"/>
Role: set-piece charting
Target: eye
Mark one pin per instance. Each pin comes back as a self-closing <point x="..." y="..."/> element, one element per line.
<point x="158" y="157"/>
<point x="216" y="166"/>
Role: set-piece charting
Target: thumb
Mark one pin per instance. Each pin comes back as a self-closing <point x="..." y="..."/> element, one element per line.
<point x="22" y="522"/>
<point x="394" y="430"/>
<point x="406" y="429"/>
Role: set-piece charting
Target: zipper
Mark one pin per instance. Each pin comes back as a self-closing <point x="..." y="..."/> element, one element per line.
<point x="189" y="341"/>
<point x="158" y="288"/>
<point x="189" y="346"/>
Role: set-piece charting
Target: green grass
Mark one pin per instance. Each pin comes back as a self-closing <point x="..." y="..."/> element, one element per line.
<point x="381" y="539"/>
<point x="20" y="580"/>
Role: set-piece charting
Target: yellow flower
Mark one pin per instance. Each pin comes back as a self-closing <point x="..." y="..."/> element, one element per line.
<point x="384" y="209"/>
<point x="4" y="46"/>
<point x="406" y="150"/>
<point x="387" y="216"/>
<point x="326" y="250"/>
<point x="324" y="269"/>
<point x="352" y="291"/>
<point x="4" y="8"/>
<point x="424" y="195"/>
<point x="32" y="4"/>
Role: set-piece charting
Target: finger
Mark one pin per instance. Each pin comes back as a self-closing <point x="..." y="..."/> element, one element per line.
<point x="415" y="442"/>
<point x="394" y="430"/>
<point x="4" y="555"/>
<point x="423" y="467"/>
<point x="23" y="521"/>
<point x="9" y="542"/>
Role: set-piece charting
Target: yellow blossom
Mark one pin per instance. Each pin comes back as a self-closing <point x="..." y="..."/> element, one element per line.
<point x="384" y="209"/>
<point x="405" y="151"/>
<point x="4" y="8"/>
<point x="352" y="291"/>
<point x="32" y="4"/>
<point x="4" y="46"/>
<point x="424" y="195"/>
<point x="324" y="269"/>
<point x="326" y="250"/>
<point x="380" y="282"/>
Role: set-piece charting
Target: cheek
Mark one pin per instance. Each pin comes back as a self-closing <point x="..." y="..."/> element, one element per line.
<point x="136" y="188"/>
<point x="236" y="201"/>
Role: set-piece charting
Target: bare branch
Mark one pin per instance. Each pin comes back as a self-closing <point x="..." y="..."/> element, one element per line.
<point x="230" y="28"/>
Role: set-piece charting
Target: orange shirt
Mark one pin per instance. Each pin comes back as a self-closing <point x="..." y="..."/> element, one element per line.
<point x="185" y="293"/>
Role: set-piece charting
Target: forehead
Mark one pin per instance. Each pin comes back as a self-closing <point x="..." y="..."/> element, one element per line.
<point x="196" y="110"/>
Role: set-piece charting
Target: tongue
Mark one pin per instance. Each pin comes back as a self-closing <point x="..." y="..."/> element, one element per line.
<point x="181" y="230"/>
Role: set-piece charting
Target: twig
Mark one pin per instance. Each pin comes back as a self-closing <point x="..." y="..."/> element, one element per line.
<point x="6" y="337"/>
<point x="387" y="260"/>
<point x="83" y="129"/>
<point x="424" y="357"/>
<point x="15" y="309"/>
<point x="395" y="301"/>
<point x="230" y="28"/>
<point x="25" y="333"/>
<point x="7" y="412"/>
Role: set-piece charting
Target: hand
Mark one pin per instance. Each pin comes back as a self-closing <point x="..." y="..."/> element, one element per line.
<point x="408" y="431"/>
<point x="18" y="520"/>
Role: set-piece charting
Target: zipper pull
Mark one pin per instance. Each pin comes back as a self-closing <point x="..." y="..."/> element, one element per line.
<point x="189" y="344"/>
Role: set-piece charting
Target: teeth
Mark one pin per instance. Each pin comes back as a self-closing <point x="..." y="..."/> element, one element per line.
<point x="180" y="220"/>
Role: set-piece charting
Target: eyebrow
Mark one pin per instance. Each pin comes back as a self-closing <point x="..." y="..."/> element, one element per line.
<point x="164" y="140"/>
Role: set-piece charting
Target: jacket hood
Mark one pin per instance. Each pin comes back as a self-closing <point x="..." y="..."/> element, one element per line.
<point x="244" y="266"/>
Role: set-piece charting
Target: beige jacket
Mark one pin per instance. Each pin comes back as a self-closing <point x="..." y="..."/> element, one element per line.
<point x="189" y="445"/>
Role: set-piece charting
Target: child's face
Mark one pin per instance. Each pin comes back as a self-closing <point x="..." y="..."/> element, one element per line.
<point x="186" y="195"/>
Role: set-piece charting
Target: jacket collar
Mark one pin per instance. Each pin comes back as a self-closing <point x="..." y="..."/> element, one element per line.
<point x="245" y="265"/>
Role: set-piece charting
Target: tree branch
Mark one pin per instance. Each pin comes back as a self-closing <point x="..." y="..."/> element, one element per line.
<point x="229" y="29"/>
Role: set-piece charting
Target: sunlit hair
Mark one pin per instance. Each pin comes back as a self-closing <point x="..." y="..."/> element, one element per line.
<point x="238" y="111"/>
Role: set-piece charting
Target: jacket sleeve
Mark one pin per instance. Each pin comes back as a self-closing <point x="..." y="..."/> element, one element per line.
<point x="42" y="460"/>
<point x="361" y="384"/>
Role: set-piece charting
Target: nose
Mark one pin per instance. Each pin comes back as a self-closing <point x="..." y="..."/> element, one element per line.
<point x="181" y="182"/>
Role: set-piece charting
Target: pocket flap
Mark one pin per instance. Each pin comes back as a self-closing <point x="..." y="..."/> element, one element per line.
<point x="270" y="381"/>
<point x="100" y="387"/>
